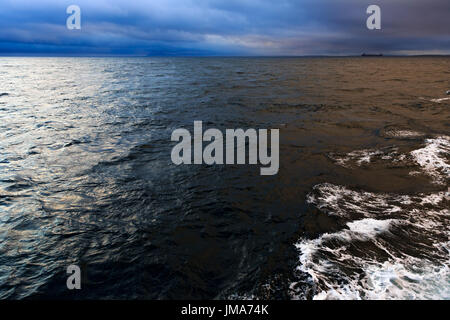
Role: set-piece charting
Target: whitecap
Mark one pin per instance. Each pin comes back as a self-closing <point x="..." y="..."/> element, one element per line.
<point x="366" y="156"/>
<point x="400" y="279"/>
<point x="439" y="100"/>
<point x="403" y="133"/>
<point x="432" y="158"/>
<point x="348" y="264"/>
<point x="341" y="201"/>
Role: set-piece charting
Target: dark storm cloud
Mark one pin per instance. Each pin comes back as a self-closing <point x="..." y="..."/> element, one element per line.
<point x="221" y="27"/>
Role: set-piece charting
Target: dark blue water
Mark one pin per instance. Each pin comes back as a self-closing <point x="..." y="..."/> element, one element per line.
<point x="357" y="210"/>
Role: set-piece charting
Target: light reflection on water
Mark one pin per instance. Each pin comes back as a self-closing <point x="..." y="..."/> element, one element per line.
<point x="86" y="177"/>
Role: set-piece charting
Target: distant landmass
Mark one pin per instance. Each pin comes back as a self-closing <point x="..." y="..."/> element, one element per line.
<point x="371" y="55"/>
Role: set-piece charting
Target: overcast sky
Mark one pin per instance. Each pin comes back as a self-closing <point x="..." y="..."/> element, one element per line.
<point x="224" y="27"/>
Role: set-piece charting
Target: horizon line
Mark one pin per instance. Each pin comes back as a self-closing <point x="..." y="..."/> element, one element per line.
<point x="20" y="55"/>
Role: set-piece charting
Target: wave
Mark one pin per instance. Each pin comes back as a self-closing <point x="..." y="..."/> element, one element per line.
<point x="398" y="133"/>
<point x="439" y="100"/>
<point x="367" y="156"/>
<point x="390" y="246"/>
<point x="435" y="100"/>
<point x="370" y="258"/>
<point x="432" y="158"/>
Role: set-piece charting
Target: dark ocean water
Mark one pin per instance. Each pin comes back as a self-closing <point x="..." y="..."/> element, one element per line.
<point x="359" y="208"/>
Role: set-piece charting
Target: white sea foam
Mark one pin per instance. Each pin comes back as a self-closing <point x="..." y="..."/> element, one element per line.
<point x="358" y="156"/>
<point x="433" y="199"/>
<point x="341" y="265"/>
<point x="432" y="158"/>
<point x="369" y="227"/>
<point x="340" y="201"/>
<point x="367" y="156"/>
<point x="401" y="279"/>
<point x="439" y="100"/>
<point x="317" y="268"/>
<point x="369" y="258"/>
<point x="246" y="297"/>
<point x="403" y="133"/>
<point x="435" y="100"/>
<point x="337" y="273"/>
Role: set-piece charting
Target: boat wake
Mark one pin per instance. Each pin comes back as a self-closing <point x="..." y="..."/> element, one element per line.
<point x="390" y="246"/>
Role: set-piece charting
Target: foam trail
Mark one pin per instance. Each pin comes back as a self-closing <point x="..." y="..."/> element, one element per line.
<point x="432" y="158"/>
<point x="369" y="258"/>
<point x="403" y="133"/>
<point x="367" y="156"/>
<point x="439" y="100"/>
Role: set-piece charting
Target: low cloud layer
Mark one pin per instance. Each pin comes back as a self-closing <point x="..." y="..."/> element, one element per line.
<point x="224" y="27"/>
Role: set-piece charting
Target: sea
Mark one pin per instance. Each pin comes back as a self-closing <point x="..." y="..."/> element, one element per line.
<point x="359" y="209"/>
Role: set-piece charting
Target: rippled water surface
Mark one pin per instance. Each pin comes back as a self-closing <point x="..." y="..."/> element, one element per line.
<point x="359" y="208"/>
